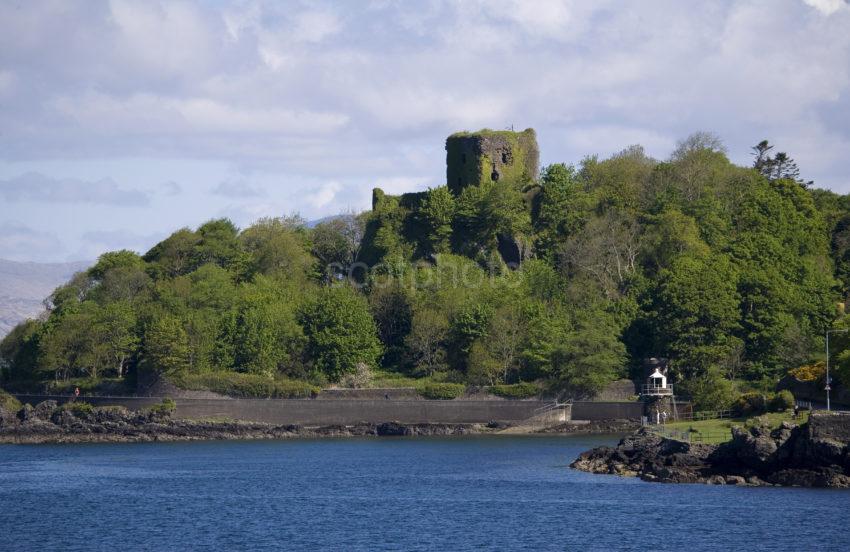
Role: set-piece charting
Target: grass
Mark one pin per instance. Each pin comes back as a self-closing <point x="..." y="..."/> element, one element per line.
<point x="90" y="386"/>
<point x="8" y="402"/>
<point x="383" y="379"/>
<point x="720" y="430"/>
<point x="237" y="384"/>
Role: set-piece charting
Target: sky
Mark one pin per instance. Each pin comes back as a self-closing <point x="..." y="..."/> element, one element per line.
<point x="122" y="121"/>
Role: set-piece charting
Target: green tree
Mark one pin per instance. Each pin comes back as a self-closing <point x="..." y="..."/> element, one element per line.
<point x="174" y="256"/>
<point x="426" y="340"/>
<point x="391" y="306"/>
<point x="502" y="344"/>
<point x="467" y="325"/>
<point x="340" y="331"/>
<point x="19" y="351"/>
<point x="219" y="244"/>
<point x="590" y="357"/>
<point x="166" y="346"/>
<point x="438" y="211"/>
<point x="696" y="313"/>
<point x="115" y="259"/>
<point x="336" y="243"/>
<point x="560" y="208"/>
<point x="114" y="327"/>
<point x="279" y="248"/>
<point x="268" y="338"/>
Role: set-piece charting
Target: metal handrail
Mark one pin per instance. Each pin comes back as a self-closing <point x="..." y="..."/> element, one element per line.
<point x="658" y="389"/>
<point x="553" y="406"/>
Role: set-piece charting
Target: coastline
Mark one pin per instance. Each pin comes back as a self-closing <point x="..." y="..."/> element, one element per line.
<point x="49" y="423"/>
<point x="814" y="454"/>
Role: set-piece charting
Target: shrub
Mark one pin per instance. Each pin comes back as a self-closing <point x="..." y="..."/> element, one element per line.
<point x="749" y="404"/>
<point x="237" y="384"/>
<point x="710" y="391"/>
<point x="782" y="401"/>
<point x="8" y="402"/>
<point x="80" y="409"/>
<point x="89" y="386"/>
<point x="441" y="391"/>
<point x="810" y="372"/>
<point x="360" y="378"/>
<point x="523" y="390"/>
<point x="165" y="408"/>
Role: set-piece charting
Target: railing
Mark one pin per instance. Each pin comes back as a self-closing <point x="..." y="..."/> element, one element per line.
<point x="692" y="436"/>
<point x="706" y="415"/>
<point x="542" y="414"/>
<point x="554" y="405"/>
<point x="655" y="390"/>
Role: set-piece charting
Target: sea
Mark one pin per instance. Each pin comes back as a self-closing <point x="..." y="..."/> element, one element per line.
<point x="422" y="493"/>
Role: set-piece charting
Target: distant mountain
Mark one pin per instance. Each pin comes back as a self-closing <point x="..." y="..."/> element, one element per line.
<point x="314" y="223"/>
<point x="23" y="287"/>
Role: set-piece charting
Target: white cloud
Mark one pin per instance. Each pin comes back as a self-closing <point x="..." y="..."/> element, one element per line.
<point x="149" y="114"/>
<point x="322" y="195"/>
<point x="403" y="184"/>
<point x="172" y="37"/>
<point x="97" y="242"/>
<point x="318" y="102"/>
<point x="33" y="186"/>
<point x="315" y="26"/>
<point x="19" y="242"/>
<point x="827" y="7"/>
<point x="245" y="214"/>
<point x="171" y="188"/>
<point x="7" y="83"/>
<point x="237" y="188"/>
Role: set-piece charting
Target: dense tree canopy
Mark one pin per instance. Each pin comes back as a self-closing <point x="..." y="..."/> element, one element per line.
<point x="732" y="273"/>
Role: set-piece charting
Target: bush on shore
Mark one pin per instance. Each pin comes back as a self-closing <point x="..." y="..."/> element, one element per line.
<point x="441" y="391"/>
<point x="8" y="402"/>
<point x="522" y="390"/>
<point x="79" y="409"/>
<point x="782" y="401"/>
<point x="165" y="408"/>
<point x="753" y="403"/>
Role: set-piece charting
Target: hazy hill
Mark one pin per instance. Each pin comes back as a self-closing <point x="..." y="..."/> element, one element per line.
<point x="23" y="286"/>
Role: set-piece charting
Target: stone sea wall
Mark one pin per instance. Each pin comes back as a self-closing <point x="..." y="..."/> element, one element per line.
<point x="352" y="411"/>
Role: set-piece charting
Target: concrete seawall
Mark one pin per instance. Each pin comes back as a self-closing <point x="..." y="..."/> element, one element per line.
<point x="352" y="411"/>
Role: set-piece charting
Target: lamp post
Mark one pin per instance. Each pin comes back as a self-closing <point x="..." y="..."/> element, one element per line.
<point x="828" y="381"/>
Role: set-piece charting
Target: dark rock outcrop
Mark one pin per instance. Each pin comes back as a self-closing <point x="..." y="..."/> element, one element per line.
<point x="815" y="454"/>
<point x="594" y="427"/>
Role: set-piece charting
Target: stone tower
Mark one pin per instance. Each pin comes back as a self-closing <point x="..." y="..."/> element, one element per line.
<point x="473" y="158"/>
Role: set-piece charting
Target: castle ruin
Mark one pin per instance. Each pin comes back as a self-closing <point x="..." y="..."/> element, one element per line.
<point x="475" y="158"/>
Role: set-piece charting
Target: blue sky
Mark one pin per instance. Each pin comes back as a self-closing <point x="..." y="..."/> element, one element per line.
<point x="121" y="121"/>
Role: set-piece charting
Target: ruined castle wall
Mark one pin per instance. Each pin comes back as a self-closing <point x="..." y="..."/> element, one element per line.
<point x="491" y="156"/>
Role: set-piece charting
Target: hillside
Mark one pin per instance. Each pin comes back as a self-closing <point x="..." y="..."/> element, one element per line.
<point x="558" y="281"/>
<point x="23" y="287"/>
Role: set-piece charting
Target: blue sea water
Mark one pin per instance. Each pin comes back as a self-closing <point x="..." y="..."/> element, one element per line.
<point x="469" y="493"/>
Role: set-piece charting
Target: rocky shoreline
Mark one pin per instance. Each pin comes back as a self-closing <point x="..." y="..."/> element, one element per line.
<point x="815" y="454"/>
<point x="48" y="422"/>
